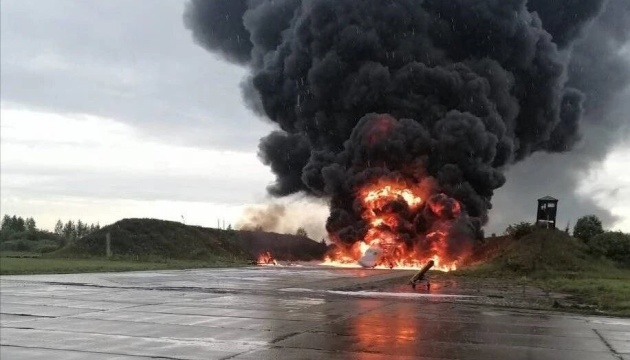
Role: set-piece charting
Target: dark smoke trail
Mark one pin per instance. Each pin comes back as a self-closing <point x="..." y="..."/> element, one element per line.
<point x="406" y="89"/>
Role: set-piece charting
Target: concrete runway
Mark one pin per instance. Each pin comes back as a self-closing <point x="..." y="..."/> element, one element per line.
<point x="277" y="313"/>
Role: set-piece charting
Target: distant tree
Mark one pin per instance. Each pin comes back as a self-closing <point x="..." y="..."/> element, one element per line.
<point x="59" y="228"/>
<point x="94" y="228"/>
<point x="30" y="224"/>
<point x="14" y="223"/>
<point x="614" y="245"/>
<point x="323" y="242"/>
<point x="301" y="232"/>
<point x="81" y="229"/>
<point x="229" y="227"/>
<point x="21" y="224"/>
<point x="519" y="230"/>
<point x="588" y="227"/>
<point x="18" y="224"/>
<point x="7" y="223"/>
<point x="258" y="228"/>
<point x="78" y="228"/>
<point x="69" y="230"/>
<point x="566" y="229"/>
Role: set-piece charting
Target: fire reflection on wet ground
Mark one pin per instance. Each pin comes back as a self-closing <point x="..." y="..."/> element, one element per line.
<point x="280" y="313"/>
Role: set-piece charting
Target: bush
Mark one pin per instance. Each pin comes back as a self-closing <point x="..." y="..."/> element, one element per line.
<point x="17" y="245"/>
<point x="519" y="230"/>
<point x="6" y="235"/>
<point x="45" y="246"/>
<point x="613" y="245"/>
<point x="588" y="227"/>
<point x="23" y="246"/>
<point x="29" y="237"/>
<point x="39" y="246"/>
<point x="9" y="245"/>
<point x="200" y="254"/>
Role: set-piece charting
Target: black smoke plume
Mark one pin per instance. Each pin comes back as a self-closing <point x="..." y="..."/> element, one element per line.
<point x="406" y="89"/>
<point x="599" y="68"/>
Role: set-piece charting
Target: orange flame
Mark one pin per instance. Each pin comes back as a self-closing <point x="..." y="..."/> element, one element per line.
<point x="382" y="205"/>
<point x="266" y="259"/>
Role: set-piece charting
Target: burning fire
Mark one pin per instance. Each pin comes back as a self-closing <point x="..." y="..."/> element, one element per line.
<point x="383" y="204"/>
<point x="266" y="259"/>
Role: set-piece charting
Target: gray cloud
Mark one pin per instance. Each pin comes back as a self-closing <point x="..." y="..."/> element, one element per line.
<point x="47" y="183"/>
<point x="129" y="60"/>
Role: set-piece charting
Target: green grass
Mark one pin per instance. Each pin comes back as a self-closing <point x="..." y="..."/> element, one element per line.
<point x="10" y="264"/>
<point x="558" y="263"/>
<point x="603" y="285"/>
<point x="20" y="254"/>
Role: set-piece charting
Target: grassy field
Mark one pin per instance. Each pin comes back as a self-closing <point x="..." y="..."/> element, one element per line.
<point x="558" y="263"/>
<point x="602" y="289"/>
<point x="26" y="263"/>
<point x="607" y="292"/>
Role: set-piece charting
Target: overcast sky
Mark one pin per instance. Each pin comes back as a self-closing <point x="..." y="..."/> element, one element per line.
<point x="109" y="110"/>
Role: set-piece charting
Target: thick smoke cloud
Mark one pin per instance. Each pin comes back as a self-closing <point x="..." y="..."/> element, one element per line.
<point x="565" y="20"/>
<point x="286" y="216"/>
<point x="600" y="70"/>
<point x="219" y="27"/>
<point x="456" y="90"/>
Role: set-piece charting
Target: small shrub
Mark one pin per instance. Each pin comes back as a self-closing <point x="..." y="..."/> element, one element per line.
<point x="588" y="227"/>
<point x="613" y="245"/>
<point x="200" y="254"/>
<point x="45" y="246"/>
<point x="10" y="245"/>
<point x="520" y="230"/>
<point x="6" y="235"/>
<point x="23" y="246"/>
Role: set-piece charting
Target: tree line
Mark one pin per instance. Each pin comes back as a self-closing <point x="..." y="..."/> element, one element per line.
<point x="72" y="230"/>
<point x="69" y="230"/>
<point x="18" y="224"/>
<point x="22" y="234"/>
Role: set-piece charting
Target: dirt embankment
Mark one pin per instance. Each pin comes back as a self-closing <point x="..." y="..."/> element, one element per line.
<point x="151" y="238"/>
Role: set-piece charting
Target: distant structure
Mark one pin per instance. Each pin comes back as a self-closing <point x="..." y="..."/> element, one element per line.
<point x="546" y="215"/>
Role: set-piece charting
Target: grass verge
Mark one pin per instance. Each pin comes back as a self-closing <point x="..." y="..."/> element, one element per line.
<point x="21" y="264"/>
<point x="605" y="293"/>
<point x="601" y="289"/>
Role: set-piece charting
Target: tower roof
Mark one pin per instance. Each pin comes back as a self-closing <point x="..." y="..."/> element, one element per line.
<point x="548" y="198"/>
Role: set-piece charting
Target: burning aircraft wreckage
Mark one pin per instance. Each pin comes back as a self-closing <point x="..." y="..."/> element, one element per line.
<point x="403" y="114"/>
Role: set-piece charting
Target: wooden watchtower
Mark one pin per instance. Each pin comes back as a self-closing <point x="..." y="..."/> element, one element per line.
<point x="546" y="214"/>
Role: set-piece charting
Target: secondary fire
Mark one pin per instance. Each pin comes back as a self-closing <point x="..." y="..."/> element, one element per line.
<point x="266" y="259"/>
<point x="391" y="211"/>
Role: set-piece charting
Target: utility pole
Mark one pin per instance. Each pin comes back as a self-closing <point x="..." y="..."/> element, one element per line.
<point x="108" y="245"/>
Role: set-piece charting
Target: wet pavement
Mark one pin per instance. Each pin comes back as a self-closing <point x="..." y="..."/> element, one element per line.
<point x="279" y="313"/>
